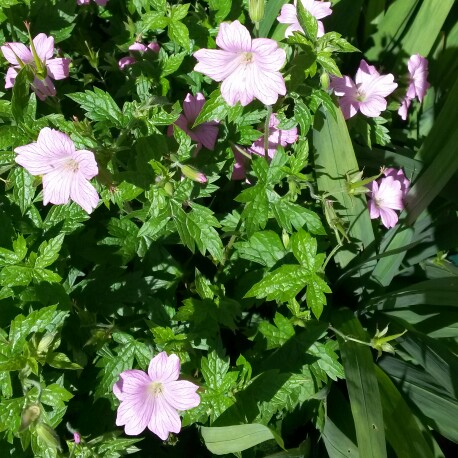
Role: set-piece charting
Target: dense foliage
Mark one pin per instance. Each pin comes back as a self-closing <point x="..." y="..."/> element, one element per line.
<point x="200" y="190"/>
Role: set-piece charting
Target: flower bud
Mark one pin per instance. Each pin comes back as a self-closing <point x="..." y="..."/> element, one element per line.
<point x="193" y="174"/>
<point x="48" y="435"/>
<point x="256" y="10"/>
<point x="45" y="343"/>
<point x="76" y="438"/>
<point x="324" y="79"/>
<point x="29" y="415"/>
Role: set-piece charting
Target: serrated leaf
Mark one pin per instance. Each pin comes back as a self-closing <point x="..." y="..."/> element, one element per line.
<point x="179" y="33"/>
<point x="214" y="109"/>
<point x="23" y="189"/>
<point x="170" y="64"/>
<point x="99" y="106"/>
<point x="307" y="21"/>
<point x="304" y="249"/>
<point x="61" y="361"/>
<point x="48" y="251"/>
<point x="179" y="12"/>
<point x="328" y="63"/>
<point x="276" y="335"/>
<point x="263" y="247"/>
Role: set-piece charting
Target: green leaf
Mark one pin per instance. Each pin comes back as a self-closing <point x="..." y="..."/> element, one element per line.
<point x="307" y="21"/>
<point x="328" y="63"/>
<point x="362" y="387"/>
<point x="179" y="33"/>
<point x="23" y="189"/>
<point x="263" y="247"/>
<point x="338" y="445"/>
<point x="279" y="334"/>
<point x="303" y="116"/>
<point x="304" y="249"/>
<point x="271" y="12"/>
<point x="222" y="8"/>
<point x="179" y="12"/>
<point x="256" y="211"/>
<point x="99" y="106"/>
<point x="170" y="64"/>
<point x="154" y="20"/>
<point x="232" y="439"/>
<point x="20" y="97"/>
<point x="61" y="361"/>
<point x="400" y="422"/>
<point x="334" y="158"/>
<point x="282" y="284"/>
<point x="214" y="109"/>
<point x="48" y="251"/>
<point x="16" y="276"/>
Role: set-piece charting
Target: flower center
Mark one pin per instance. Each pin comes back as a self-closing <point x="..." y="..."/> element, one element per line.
<point x="71" y="165"/>
<point x="378" y="202"/>
<point x="247" y="57"/>
<point x="155" y="389"/>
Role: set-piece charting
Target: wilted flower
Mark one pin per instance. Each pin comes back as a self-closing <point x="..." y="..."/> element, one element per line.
<point x="418" y="83"/>
<point x="367" y="93"/>
<point x="39" y="57"/>
<point x="204" y="134"/>
<point x="277" y="137"/>
<point x="385" y="196"/>
<point x="152" y="399"/>
<point x="86" y="2"/>
<point x="66" y="172"/>
<point x="248" y="68"/>
<point x="288" y="15"/>
<point x="138" y="48"/>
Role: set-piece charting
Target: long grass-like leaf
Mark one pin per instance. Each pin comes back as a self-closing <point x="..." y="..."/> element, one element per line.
<point x="362" y="387"/>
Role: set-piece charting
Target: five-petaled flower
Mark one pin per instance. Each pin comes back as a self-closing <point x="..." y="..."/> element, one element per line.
<point x="248" y="68"/>
<point x="386" y="195"/>
<point x="66" y="171"/>
<point x="152" y="399"/>
<point x="288" y="15"/>
<point x="204" y="134"/>
<point x="277" y="137"/>
<point x="45" y="67"/>
<point x="366" y="94"/>
<point x="418" y="83"/>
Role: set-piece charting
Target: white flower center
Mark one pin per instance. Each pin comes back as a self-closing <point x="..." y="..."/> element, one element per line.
<point x="71" y="165"/>
<point x="156" y="389"/>
<point x="247" y="57"/>
<point x="360" y="95"/>
<point x="378" y="202"/>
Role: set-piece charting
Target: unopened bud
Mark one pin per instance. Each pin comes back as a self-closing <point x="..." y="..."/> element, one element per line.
<point x="168" y="187"/>
<point x="48" y="435"/>
<point x="76" y="438"/>
<point x="285" y="239"/>
<point x="256" y="10"/>
<point x="30" y="413"/>
<point x="45" y="343"/>
<point x="193" y="174"/>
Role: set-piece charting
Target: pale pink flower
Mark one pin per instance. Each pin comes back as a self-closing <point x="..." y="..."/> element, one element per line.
<point x="204" y="134"/>
<point x="152" y="399"/>
<point x="288" y="15"/>
<point x="19" y="55"/>
<point x="398" y="174"/>
<point x="248" y="68"/>
<point x="66" y="172"/>
<point x="86" y="2"/>
<point x="137" y="48"/>
<point x="385" y="197"/>
<point x="277" y="137"/>
<point x="366" y="94"/>
<point x="418" y="83"/>
<point x="77" y="438"/>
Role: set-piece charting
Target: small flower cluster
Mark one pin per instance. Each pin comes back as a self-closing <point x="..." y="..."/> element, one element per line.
<point x="386" y="195"/>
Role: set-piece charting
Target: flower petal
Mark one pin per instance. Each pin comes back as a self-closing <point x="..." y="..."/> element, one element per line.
<point x="181" y="395"/>
<point x="58" y="68"/>
<point x="10" y="77"/>
<point x="87" y="164"/>
<point x="268" y="56"/>
<point x="56" y="186"/>
<point x="11" y="50"/>
<point x="216" y="64"/>
<point x="207" y="134"/>
<point x="55" y="144"/>
<point x="164" y="368"/>
<point x="234" y="37"/>
<point x="34" y="159"/>
<point x="135" y="413"/>
<point x="192" y="106"/>
<point x="83" y="193"/>
<point x="44" y="46"/>
<point x="389" y="217"/>
<point x="164" y="419"/>
<point x="43" y="88"/>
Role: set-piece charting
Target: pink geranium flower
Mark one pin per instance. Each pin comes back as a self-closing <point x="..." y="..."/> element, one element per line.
<point x="288" y="15"/>
<point x="138" y="48"/>
<point x="366" y="94"/>
<point x="277" y="137"/>
<point x="386" y="196"/>
<point x="398" y="174"/>
<point x="248" y="68"/>
<point x="66" y="172"/>
<point x="418" y="83"/>
<point x="204" y="134"/>
<point x="19" y="55"/>
<point x="240" y="164"/>
<point x="152" y="399"/>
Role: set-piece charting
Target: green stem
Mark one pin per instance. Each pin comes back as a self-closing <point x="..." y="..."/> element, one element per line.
<point x="346" y="338"/>
<point x="266" y="132"/>
<point x="330" y="256"/>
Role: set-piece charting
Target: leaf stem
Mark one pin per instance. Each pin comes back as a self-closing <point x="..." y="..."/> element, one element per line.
<point x="346" y="338"/>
